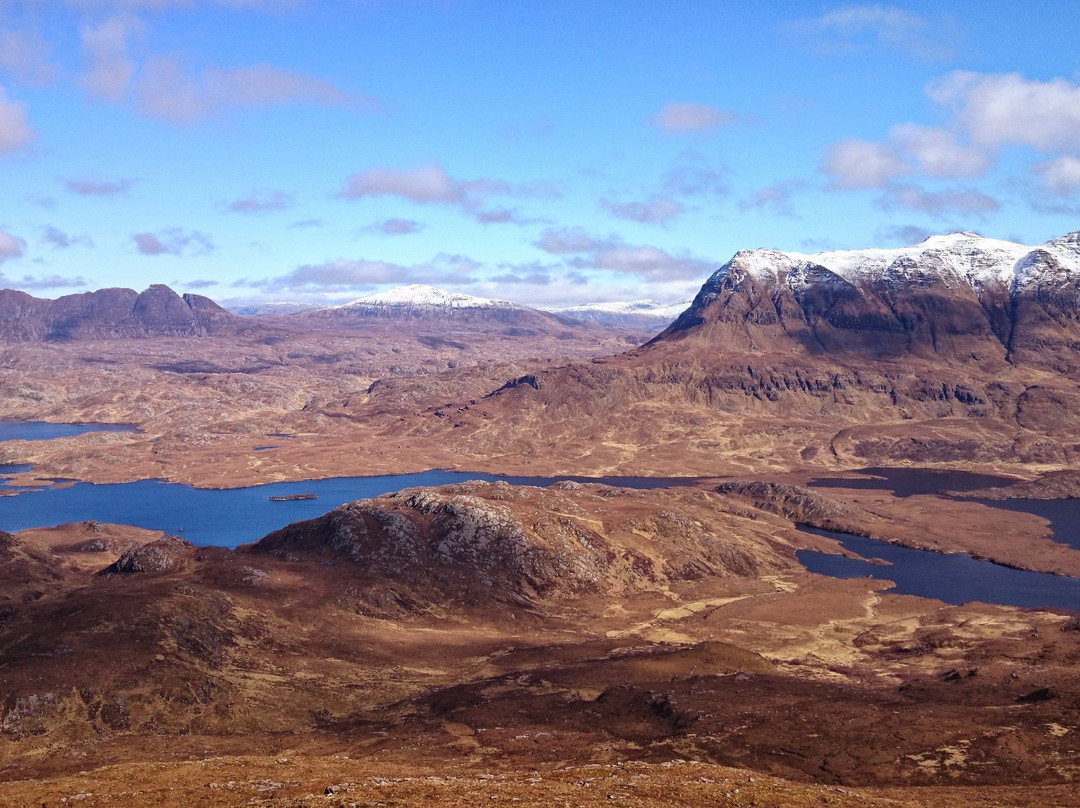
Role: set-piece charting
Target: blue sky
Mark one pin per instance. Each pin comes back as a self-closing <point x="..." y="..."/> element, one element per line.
<point x="545" y="152"/>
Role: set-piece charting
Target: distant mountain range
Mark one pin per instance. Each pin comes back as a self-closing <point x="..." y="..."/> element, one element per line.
<point x="112" y="314"/>
<point x="647" y="315"/>
<point x="420" y="301"/>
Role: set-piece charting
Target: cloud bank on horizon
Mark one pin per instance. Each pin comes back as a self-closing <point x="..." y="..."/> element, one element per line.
<point x="551" y="153"/>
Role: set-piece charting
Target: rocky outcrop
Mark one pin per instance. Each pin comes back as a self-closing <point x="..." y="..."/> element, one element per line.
<point x="154" y="558"/>
<point x="483" y="542"/>
<point x="113" y="314"/>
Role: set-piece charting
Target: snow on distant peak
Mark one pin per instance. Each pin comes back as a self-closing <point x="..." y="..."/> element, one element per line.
<point x="647" y="307"/>
<point x="962" y="257"/>
<point x="416" y="294"/>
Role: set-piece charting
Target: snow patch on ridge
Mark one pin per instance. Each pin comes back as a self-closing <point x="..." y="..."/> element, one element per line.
<point x="416" y="294"/>
<point x="954" y="259"/>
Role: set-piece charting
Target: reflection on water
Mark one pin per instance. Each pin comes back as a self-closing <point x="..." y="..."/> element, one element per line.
<point x="954" y="577"/>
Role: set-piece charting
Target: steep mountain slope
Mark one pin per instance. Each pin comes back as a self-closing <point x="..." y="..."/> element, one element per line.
<point x="113" y="313"/>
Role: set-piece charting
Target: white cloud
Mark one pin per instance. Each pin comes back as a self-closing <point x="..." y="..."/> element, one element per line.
<point x="561" y="240"/>
<point x="425" y="184"/>
<point x="394" y="227"/>
<point x="937" y="153"/>
<point x="10" y="246"/>
<point x="261" y="201"/>
<point x="50" y="282"/>
<point x="431" y="184"/>
<point x="592" y="252"/>
<point x="876" y="27"/>
<point x="966" y="201"/>
<point x="1008" y="109"/>
<point x="904" y="235"/>
<point x="15" y="132"/>
<point x="174" y="241"/>
<point x="857" y="164"/>
<point x="681" y="118"/>
<point x="25" y="57"/>
<point x="57" y="238"/>
<point x="658" y="211"/>
<point x="345" y="274"/>
<point x="266" y="85"/>
<point x="646" y="262"/>
<point x="691" y="174"/>
<point x="1061" y="176"/>
<point x="775" y="199"/>
<point x="166" y="91"/>
<point x="95" y="186"/>
<point x="109" y="67"/>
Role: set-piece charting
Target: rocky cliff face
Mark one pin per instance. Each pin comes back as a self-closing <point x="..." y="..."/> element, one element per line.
<point x="959" y="297"/>
<point x="111" y="314"/>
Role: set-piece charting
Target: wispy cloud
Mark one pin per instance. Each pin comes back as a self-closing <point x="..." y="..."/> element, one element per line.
<point x="95" y="186"/>
<point x="774" y="199"/>
<point x="10" y="246"/>
<point x="55" y="237"/>
<point x="693" y="174"/>
<point x="903" y="235"/>
<point x="877" y="27"/>
<point x="678" y="118"/>
<point x="394" y="227"/>
<point x="347" y="274"/>
<point x="657" y="211"/>
<point x="50" y="282"/>
<point x="174" y="241"/>
<point x="261" y="201"/>
<point x="109" y="66"/>
<point x="423" y="185"/>
<point x="166" y="91"/>
<point x="966" y="201"/>
<point x="587" y="252"/>
<point x="1061" y="176"/>
<point x="15" y="131"/>
<point x="431" y="184"/>
<point x="25" y="57"/>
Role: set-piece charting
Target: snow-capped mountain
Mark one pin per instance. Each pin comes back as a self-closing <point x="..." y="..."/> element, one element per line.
<point x="958" y="295"/>
<point x="644" y="314"/>
<point x="417" y="295"/>
<point x="426" y="309"/>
